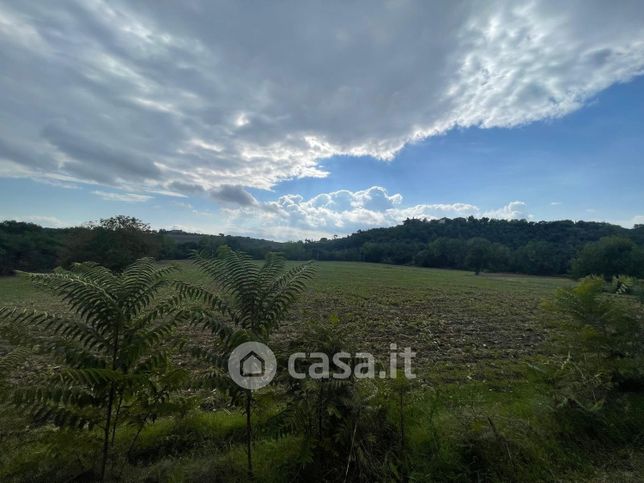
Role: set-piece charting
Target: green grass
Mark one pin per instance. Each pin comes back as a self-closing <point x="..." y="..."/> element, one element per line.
<point x="474" y="337"/>
<point x="461" y="325"/>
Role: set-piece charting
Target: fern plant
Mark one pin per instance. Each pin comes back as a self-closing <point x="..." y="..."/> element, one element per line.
<point x="610" y="331"/>
<point x="247" y="303"/>
<point x="342" y="422"/>
<point x="112" y="366"/>
<point x="607" y="324"/>
<point x="9" y="362"/>
<point x="586" y="305"/>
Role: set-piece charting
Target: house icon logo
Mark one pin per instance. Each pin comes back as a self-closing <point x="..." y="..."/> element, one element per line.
<point x="252" y="365"/>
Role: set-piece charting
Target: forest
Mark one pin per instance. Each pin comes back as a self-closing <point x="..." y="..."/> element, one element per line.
<point x="517" y="246"/>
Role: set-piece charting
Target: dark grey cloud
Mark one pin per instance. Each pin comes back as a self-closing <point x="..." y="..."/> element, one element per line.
<point x="235" y="195"/>
<point x="97" y="161"/>
<point x="24" y="155"/>
<point x="218" y="96"/>
<point x="186" y="188"/>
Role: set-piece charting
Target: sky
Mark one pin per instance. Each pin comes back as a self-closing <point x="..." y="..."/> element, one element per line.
<point x="295" y="119"/>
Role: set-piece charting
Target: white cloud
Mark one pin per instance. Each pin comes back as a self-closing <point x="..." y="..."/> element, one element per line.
<point x="636" y="220"/>
<point x="182" y="204"/>
<point x="187" y="228"/>
<point x="202" y="213"/>
<point x="556" y="203"/>
<point x="143" y="96"/>
<point x="125" y="197"/>
<point x="343" y="212"/>
<point x="512" y="211"/>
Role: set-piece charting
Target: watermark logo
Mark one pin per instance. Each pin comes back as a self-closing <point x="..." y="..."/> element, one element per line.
<point x="343" y="365"/>
<point x="252" y="365"/>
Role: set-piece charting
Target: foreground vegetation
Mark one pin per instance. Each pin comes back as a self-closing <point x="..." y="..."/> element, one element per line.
<point x="519" y="378"/>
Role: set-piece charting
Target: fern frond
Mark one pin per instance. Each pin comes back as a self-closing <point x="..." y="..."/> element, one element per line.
<point x="77" y="356"/>
<point x="194" y="293"/>
<point x="10" y="361"/>
<point x="153" y="362"/>
<point x="86" y="297"/>
<point x="90" y="377"/>
<point x="140" y="282"/>
<point x="214" y="359"/>
<point x="205" y="320"/>
<point x="93" y="271"/>
<point x="284" y="291"/>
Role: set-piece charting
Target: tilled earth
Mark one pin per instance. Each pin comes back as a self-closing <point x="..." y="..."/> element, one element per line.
<point x="454" y="321"/>
<point x="460" y="325"/>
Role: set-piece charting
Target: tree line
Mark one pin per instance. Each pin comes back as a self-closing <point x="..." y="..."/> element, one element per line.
<point x="478" y="244"/>
<point x="539" y="248"/>
<point x="114" y="242"/>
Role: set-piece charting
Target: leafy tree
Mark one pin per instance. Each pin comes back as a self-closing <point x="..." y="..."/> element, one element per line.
<point x="442" y="253"/>
<point x="608" y="257"/>
<point x="28" y="247"/>
<point x="248" y="303"/>
<point x="541" y="258"/>
<point x="500" y="257"/>
<point x="373" y="252"/>
<point x="114" y="242"/>
<point x="210" y="245"/>
<point x="447" y="252"/>
<point x="479" y="254"/>
<point x="123" y="222"/>
<point x="112" y="363"/>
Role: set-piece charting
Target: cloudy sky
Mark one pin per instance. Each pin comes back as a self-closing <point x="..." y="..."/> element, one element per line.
<point x="306" y="119"/>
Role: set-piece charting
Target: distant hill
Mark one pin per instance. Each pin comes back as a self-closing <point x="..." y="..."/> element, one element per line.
<point x="544" y="247"/>
<point x="256" y="247"/>
<point x="512" y="233"/>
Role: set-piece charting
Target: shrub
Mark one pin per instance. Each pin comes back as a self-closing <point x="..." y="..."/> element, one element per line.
<point x="112" y="365"/>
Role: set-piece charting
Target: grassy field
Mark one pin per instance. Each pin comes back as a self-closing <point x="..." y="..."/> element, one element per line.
<point x="456" y="321"/>
<point x="474" y="336"/>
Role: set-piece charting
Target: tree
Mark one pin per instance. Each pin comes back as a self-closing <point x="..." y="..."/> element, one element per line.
<point x="249" y="304"/>
<point x="111" y="365"/>
<point x="500" y="255"/>
<point x="608" y="257"/>
<point x="373" y="252"/>
<point x="541" y="258"/>
<point x="123" y="222"/>
<point x="114" y="242"/>
<point x="25" y="246"/>
<point x="479" y="252"/>
<point x="447" y="252"/>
